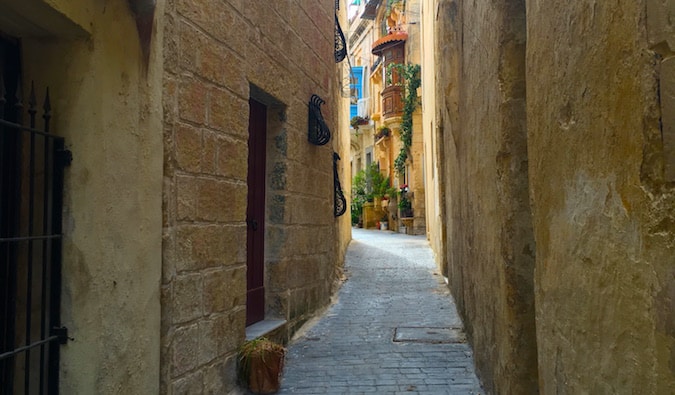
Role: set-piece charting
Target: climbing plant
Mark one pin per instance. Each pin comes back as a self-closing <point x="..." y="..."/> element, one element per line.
<point x="411" y="80"/>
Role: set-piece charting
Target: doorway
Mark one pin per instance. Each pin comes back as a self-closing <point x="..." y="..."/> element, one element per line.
<point x="255" y="213"/>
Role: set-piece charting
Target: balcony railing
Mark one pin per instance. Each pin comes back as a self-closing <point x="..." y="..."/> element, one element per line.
<point x="392" y="101"/>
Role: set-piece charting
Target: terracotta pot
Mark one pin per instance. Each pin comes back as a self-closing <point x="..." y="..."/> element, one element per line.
<point x="265" y="372"/>
<point x="260" y="363"/>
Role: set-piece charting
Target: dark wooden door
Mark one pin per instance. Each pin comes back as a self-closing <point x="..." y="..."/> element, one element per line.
<point x="255" y="214"/>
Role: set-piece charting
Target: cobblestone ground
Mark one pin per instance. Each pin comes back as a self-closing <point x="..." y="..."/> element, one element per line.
<point x="392" y="290"/>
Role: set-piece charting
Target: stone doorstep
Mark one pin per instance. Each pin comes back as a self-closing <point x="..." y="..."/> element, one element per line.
<point x="263" y="328"/>
<point x="429" y="335"/>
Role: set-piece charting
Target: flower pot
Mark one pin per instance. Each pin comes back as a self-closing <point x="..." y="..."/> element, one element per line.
<point x="384" y="225"/>
<point x="260" y="365"/>
<point x="265" y="373"/>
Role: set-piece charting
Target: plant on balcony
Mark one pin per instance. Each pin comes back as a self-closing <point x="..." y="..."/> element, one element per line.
<point x="411" y="77"/>
<point x="405" y="207"/>
<point x="358" y="120"/>
<point x="382" y="131"/>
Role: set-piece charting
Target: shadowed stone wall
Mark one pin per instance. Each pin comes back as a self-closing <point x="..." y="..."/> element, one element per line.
<point x="107" y="107"/>
<point x="563" y="142"/>
<point x="603" y="199"/>
<point x="490" y="252"/>
<point x="218" y="54"/>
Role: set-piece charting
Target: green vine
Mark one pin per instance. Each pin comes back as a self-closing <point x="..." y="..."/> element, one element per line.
<point x="411" y="77"/>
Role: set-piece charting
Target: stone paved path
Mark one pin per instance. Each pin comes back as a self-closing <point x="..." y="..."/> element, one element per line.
<point x="392" y="287"/>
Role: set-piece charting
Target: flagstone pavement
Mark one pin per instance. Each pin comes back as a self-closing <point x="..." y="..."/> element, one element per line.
<point x="393" y="329"/>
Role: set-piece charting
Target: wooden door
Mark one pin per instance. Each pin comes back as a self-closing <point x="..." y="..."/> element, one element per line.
<point x="255" y="214"/>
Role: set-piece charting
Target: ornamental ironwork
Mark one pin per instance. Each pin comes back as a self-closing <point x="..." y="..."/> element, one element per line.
<point x="340" y="201"/>
<point x="318" y="132"/>
<point x="32" y="166"/>
<point x="340" y="43"/>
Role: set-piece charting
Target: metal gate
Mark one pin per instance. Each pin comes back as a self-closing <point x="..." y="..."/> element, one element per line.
<point x="32" y="162"/>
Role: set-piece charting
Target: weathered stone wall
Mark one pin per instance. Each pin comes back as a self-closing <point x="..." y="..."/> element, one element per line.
<point x="416" y="161"/>
<point x="107" y="106"/>
<point x="577" y="121"/>
<point x="218" y="55"/>
<point x="602" y="198"/>
<point x="432" y="181"/>
<point x="342" y="146"/>
<point x="480" y="65"/>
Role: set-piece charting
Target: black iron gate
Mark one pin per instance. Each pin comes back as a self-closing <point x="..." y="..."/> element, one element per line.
<point x="31" y="188"/>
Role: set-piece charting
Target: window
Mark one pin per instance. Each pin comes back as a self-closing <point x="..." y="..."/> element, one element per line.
<point x="31" y="187"/>
<point x="355" y="90"/>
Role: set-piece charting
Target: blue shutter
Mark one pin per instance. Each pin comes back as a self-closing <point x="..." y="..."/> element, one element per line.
<point x="355" y="90"/>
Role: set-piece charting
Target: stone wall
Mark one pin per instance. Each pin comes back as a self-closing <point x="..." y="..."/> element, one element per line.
<point x="217" y="56"/>
<point x="480" y="65"/>
<point x="432" y="182"/>
<point x="557" y="160"/>
<point x="599" y="130"/>
<point x="107" y="106"/>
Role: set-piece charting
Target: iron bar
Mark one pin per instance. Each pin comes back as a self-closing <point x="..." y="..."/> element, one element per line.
<point x="29" y="238"/>
<point x="45" y="245"/>
<point x="31" y="225"/>
<point x="18" y="350"/>
<point x="30" y="246"/>
<point x="26" y="129"/>
<point x="47" y="115"/>
<point x="32" y="103"/>
<point x="15" y="169"/>
<point x="48" y="160"/>
<point x="55" y="291"/>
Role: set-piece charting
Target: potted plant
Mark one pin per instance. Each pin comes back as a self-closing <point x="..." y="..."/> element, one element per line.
<point x="404" y="207"/>
<point x="358" y="120"/>
<point x="382" y="132"/>
<point x="260" y="363"/>
<point x="384" y="222"/>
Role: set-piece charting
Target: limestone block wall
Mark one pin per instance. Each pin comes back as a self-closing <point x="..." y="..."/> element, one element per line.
<point x="433" y="187"/>
<point x="416" y="176"/>
<point x="599" y="88"/>
<point x="342" y="145"/>
<point x="107" y="106"/>
<point x="217" y="56"/>
<point x="480" y="63"/>
<point x="557" y="158"/>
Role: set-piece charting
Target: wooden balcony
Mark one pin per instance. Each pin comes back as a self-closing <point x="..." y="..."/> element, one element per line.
<point x="392" y="102"/>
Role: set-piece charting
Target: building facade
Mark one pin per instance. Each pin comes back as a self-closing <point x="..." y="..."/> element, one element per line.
<point x="384" y="46"/>
<point x="554" y="133"/>
<point x="191" y="171"/>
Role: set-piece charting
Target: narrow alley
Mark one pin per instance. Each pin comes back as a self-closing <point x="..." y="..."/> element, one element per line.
<point x="393" y="329"/>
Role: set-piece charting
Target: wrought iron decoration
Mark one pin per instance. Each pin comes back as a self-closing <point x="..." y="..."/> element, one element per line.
<point x="340" y="201"/>
<point x="318" y="132"/>
<point x="340" y="43"/>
